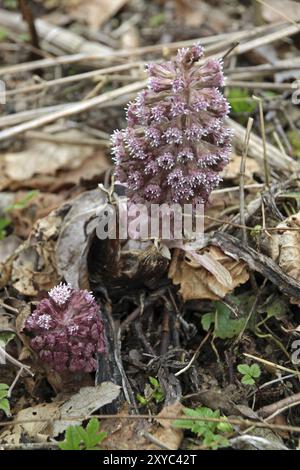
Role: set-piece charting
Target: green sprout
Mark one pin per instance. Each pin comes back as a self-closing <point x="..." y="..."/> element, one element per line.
<point x="249" y="373"/>
<point x="79" y="438"/>
<point x="154" y="393"/>
<point x="4" y="403"/>
<point x="210" y="432"/>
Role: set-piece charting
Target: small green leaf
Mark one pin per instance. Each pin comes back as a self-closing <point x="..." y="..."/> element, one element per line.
<point x="5" y="338"/>
<point x="210" y="431"/>
<point x="241" y="101"/>
<point x="78" y="438"/>
<point x="4" y="406"/>
<point x="72" y="439"/>
<point x="22" y="203"/>
<point x="243" y="369"/>
<point x="4" y="403"/>
<point x="4" y="387"/>
<point x="225" y="427"/>
<point x="3" y="34"/>
<point x="4" y="222"/>
<point x="93" y="426"/>
<point x="154" y="382"/>
<point x="294" y="137"/>
<point x="206" y="320"/>
<point x="247" y="380"/>
<point x="142" y="400"/>
<point x="256" y="230"/>
<point x="276" y="309"/>
<point x="157" y="20"/>
<point x="224" y="326"/>
<point x="255" y="371"/>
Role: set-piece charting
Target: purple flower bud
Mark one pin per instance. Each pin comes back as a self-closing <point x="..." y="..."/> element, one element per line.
<point x="60" y="294"/>
<point x="166" y="161"/>
<point x="151" y="168"/>
<point x="175" y="143"/>
<point x="152" y="192"/>
<point x="153" y="136"/>
<point x="135" y="180"/>
<point x="159" y="113"/>
<point x="173" y="135"/>
<point x="67" y="330"/>
<point x="185" y="155"/>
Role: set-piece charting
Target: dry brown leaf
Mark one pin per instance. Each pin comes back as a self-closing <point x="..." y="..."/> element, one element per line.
<point x="84" y="403"/>
<point x="289" y="8"/>
<point x="195" y="14"/>
<point x="128" y="434"/>
<point x="44" y="411"/>
<point x="44" y="158"/>
<point x="38" y="207"/>
<point x="8" y="247"/>
<point x="167" y="433"/>
<point x="232" y="170"/>
<point x="197" y="282"/>
<point x="94" y="12"/>
<point x="218" y="204"/>
<point x="7" y="437"/>
<point x="34" y="263"/>
<point x="91" y="169"/>
<point x="284" y="247"/>
<point x="189" y="13"/>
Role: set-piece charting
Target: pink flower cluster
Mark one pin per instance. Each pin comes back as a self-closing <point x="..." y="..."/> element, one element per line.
<point x="66" y="330"/>
<point x="175" y="143"/>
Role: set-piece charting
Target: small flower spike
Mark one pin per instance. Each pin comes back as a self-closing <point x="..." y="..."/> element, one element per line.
<point x="175" y="143"/>
<point x="67" y="330"/>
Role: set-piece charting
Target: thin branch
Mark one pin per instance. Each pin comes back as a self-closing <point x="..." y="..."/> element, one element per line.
<point x="71" y="110"/>
<point x="242" y="177"/>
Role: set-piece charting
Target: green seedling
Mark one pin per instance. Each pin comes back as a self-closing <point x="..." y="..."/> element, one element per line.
<point x="79" y="438"/>
<point x="211" y="433"/>
<point x="249" y="373"/>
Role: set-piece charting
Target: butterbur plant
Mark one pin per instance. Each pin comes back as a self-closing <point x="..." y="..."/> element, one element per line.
<point x="175" y="143"/>
<point x="66" y="330"/>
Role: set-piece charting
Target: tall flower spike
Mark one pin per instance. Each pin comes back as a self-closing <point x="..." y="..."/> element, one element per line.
<point x="67" y="330"/>
<point x="175" y="143"/>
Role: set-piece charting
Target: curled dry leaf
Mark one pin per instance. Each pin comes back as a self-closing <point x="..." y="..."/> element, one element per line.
<point x="55" y="247"/>
<point x="284" y="247"/>
<point x="37" y="420"/>
<point x="34" y="264"/>
<point x="82" y="404"/>
<point x="209" y="274"/>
